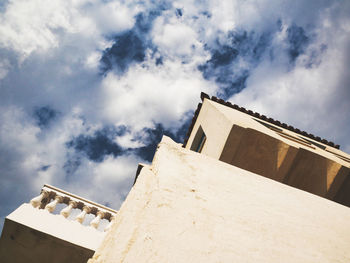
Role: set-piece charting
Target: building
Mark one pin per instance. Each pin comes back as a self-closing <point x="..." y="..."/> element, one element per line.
<point x="52" y="228"/>
<point x="269" y="148"/>
<point x="242" y="188"/>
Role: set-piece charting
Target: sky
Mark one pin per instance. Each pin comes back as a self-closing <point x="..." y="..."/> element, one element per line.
<point x="88" y="87"/>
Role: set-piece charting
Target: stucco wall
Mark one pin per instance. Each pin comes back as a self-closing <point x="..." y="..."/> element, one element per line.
<point x="254" y="145"/>
<point x="188" y="207"/>
<point x="35" y="235"/>
<point x="216" y="126"/>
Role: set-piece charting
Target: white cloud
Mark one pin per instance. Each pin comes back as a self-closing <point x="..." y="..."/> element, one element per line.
<point x="19" y="159"/>
<point x="312" y="98"/>
<point x="5" y="66"/>
<point x="25" y="149"/>
<point x="128" y="141"/>
<point x="93" y="60"/>
<point x="59" y="45"/>
<point x="112" y="17"/>
<point x="114" y="170"/>
<point x="175" y="38"/>
<point x="158" y="94"/>
<point x="105" y="182"/>
<point x="31" y="26"/>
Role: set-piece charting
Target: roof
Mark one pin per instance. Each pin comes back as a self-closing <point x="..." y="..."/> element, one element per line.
<point x="256" y="115"/>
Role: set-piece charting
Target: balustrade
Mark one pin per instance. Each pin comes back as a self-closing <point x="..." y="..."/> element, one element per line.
<point x="81" y="217"/>
<point x="51" y="196"/>
<point x="37" y="200"/>
<point x="95" y="222"/>
<point x="111" y="222"/>
<point x="52" y="205"/>
<point x="68" y="209"/>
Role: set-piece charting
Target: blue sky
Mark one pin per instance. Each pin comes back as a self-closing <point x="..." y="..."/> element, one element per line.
<point x="88" y="87"/>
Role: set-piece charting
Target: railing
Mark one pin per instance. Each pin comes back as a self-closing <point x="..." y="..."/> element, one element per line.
<point x="50" y="196"/>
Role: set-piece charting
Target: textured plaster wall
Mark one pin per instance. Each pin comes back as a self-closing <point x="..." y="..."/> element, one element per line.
<point x="188" y="207"/>
<point x="246" y="142"/>
<point x="216" y="126"/>
<point x="57" y="226"/>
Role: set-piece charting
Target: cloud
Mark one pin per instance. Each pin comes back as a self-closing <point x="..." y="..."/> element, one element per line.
<point x="30" y="26"/>
<point x="19" y="160"/>
<point x="27" y="26"/>
<point x="4" y="68"/>
<point x="44" y="116"/>
<point x="111" y="17"/>
<point x="113" y="177"/>
<point x="232" y="57"/>
<point x="161" y="93"/>
<point x="297" y="41"/>
<point x="88" y="87"/>
<point x="96" y="146"/>
<point x="308" y="96"/>
<point x="128" y="48"/>
<point x="175" y="38"/>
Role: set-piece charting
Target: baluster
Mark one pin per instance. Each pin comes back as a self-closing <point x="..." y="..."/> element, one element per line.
<point x="36" y="201"/>
<point x="111" y="222"/>
<point x="51" y="206"/>
<point x="68" y="209"/>
<point x="80" y="218"/>
<point x="94" y="223"/>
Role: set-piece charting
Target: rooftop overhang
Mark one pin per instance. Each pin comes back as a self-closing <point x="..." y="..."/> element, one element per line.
<point x="270" y="148"/>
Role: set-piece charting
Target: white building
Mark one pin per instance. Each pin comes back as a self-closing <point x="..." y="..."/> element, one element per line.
<point x="34" y="233"/>
<point x="243" y="188"/>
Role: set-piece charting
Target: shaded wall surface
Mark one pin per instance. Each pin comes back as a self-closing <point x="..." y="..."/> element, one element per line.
<point x="271" y="151"/>
<point x="21" y="244"/>
<point x="188" y="207"/>
<point x="33" y="235"/>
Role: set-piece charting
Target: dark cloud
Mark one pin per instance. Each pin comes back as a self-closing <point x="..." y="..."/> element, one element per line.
<point x="144" y="20"/>
<point x="222" y="56"/>
<point x="223" y="66"/>
<point x="101" y="144"/>
<point x="236" y="86"/>
<point x="159" y="61"/>
<point x="44" y="168"/>
<point x="207" y="14"/>
<point x="178" y="12"/>
<point x="96" y="146"/>
<point x="179" y="134"/>
<point x="154" y="135"/>
<point x="71" y="165"/>
<point x="128" y="48"/>
<point x="297" y="40"/>
<point x="315" y="56"/>
<point x="44" y="116"/>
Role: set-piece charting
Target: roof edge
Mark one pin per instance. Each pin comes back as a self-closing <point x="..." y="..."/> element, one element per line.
<point x="256" y="115"/>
